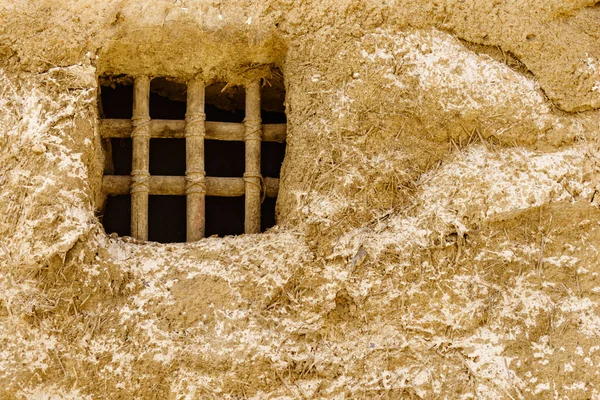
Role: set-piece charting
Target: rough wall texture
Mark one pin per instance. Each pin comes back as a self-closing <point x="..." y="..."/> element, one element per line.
<point x="438" y="218"/>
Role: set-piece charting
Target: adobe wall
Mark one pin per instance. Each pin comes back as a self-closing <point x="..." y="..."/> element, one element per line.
<point x="437" y="215"/>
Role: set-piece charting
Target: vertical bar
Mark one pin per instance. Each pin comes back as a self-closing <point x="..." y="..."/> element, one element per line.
<point x="140" y="175"/>
<point x="194" y="160"/>
<point x="252" y="176"/>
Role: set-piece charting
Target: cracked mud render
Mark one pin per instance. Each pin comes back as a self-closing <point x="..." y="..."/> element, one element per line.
<point x="437" y="220"/>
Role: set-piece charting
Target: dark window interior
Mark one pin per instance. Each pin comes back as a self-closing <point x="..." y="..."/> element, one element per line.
<point x="167" y="214"/>
<point x="225" y="103"/>
<point x="166" y="219"/>
<point x="223" y="158"/>
<point x="116" y="101"/>
<point x="214" y="113"/>
<point x="269" y="117"/>
<point x="271" y="158"/>
<point x="224" y="216"/>
<point x="167" y="99"/>
<point x="267" y="213"/>
<point x="121" y="155"/>
<point x="117" y="215"/>
<point x="167" y="157"/>
<point x="163" y="108"/>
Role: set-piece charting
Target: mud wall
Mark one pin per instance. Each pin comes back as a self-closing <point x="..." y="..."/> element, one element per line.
<point x="437" y="215"/>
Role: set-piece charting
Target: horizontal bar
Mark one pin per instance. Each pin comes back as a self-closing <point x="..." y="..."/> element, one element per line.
<point x="170" y="128"/>
<point x="175" y="185"/>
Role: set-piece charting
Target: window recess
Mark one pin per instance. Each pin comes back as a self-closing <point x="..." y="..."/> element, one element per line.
<point x="153" y="163"/>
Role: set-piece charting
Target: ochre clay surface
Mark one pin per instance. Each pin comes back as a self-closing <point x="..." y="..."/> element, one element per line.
<point x="438" y="221"/>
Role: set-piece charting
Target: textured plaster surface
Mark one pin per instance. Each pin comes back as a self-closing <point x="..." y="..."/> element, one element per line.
<point x="437" y="219"/>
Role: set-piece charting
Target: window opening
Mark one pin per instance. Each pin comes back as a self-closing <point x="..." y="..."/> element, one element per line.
<point x="166" y="218"/>
<point x="117" y="215"/>
<point x="167" y="157"/>
<point x="167" y="99"/>
<point x="117" y="97"/>
<point x="118" y="157"/>
<point x="267" y="213"/>
<point x="272" y="158"/>
<point x="189" y="160"/>
<point x="225" y="103"/>
<point x="225" y="159"/>
<point x="224" y="215"/>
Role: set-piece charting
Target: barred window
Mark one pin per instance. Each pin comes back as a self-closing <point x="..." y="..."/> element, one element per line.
<point x="185" y="160"/>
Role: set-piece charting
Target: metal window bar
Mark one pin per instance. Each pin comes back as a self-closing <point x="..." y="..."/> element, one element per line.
<point x="194" y="184"/>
